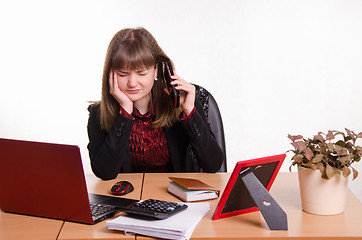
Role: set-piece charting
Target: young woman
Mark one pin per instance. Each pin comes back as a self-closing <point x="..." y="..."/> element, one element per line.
<point x="135" y="127"/>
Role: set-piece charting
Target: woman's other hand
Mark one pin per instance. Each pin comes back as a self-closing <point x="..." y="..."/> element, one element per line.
<point x="121" y="98"/>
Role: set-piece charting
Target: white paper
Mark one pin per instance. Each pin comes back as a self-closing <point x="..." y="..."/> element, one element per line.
<point x="178" y="226"/>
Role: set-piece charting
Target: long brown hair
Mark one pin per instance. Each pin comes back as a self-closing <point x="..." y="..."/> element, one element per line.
<point x="134" y="48"/>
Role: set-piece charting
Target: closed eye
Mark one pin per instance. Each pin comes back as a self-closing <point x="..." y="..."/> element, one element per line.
<point x="142" y="72"/>
<point x="122" y="74"/>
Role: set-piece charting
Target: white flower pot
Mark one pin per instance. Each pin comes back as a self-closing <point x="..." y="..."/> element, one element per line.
<point x="321" y="196"/>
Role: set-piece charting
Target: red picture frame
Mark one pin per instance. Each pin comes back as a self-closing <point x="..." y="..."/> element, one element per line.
<point x="236" y="199"/>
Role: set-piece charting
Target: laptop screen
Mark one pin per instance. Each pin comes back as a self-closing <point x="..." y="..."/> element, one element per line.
<point x="43" y="179"/>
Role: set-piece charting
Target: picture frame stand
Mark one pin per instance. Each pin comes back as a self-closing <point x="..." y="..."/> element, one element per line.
<point x="273" y="214"/>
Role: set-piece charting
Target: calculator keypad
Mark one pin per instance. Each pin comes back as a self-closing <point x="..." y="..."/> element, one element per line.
<point x="156" y="208"/>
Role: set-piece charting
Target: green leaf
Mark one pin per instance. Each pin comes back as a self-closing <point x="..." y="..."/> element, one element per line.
<point x="351" y="135"/>
<point x="355" y="173"/>
<point x="298" y="158"/>
<point x="347" y="138"/>
<point x="295" y="137"/>
<point x="308" y="153"/>
<point x="330" y="146"/>
<point x="319" y="137"/>
<point x="299" y="145"/>
<point x="341" y="143"/>
<point x="359" y="150"/>
<point x="329" y="135"/>
<point x="329" y="171"/>
<point x="317" y="158"/>
<point x="349" y="145"/>
<point x="299" y="168"/>
<point x="341" y="151"/>
<point x="313" y="166"/>
<point x="345" y="159"/>
<point x="321" y="168"/>
<point x="346" y="171"/>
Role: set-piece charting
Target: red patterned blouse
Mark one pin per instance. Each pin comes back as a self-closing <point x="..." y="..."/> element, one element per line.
<point x="147" y="145"/>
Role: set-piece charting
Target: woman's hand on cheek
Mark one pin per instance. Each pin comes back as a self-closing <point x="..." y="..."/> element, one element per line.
<point x="187" y="94"/>
<point x="121" y="98"/>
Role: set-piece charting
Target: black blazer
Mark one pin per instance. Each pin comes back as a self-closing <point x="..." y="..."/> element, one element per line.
<point x="192" y="146"/>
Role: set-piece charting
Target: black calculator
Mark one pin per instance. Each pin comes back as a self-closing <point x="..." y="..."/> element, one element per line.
<point x="155" y="208"/>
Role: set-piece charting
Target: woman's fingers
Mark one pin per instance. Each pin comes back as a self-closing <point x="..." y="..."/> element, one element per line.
<point x="187" y="93"/>
<point x="110" y="80"/>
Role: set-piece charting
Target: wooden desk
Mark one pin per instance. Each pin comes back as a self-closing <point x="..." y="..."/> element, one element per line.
<point x="285" y="191"/>
<point x="248" y="226"/>
<point x="78" y="231"/>
<point x="20" y="227"/>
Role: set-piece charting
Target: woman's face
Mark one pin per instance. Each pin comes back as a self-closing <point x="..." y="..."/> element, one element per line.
<point x="137" y="84"/>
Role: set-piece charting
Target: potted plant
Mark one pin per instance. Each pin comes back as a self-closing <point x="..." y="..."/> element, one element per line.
<point x="324" y="165"/>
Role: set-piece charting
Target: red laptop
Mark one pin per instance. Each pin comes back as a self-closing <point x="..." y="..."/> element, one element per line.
<point x="47" y="180"/>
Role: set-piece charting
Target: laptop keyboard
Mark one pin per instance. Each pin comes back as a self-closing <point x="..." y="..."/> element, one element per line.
<point x="100" y="209"/>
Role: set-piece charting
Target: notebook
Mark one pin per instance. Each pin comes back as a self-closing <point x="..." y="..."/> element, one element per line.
<point x="47" y="180"/>
<point x="191" y="190"/>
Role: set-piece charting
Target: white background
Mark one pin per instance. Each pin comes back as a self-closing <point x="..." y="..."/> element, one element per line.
<point x="275" y="67"/>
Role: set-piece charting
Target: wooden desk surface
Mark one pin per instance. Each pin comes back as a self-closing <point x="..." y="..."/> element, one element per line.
<point x="20" y="227"/>
<point x="285" y="191"/>
<point x="99" y="231"/>
<point x="248" y="226"/>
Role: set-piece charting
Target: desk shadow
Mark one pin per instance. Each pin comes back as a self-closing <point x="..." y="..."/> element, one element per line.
<point x="247" y="220"/>
<point x="252" y="222"/>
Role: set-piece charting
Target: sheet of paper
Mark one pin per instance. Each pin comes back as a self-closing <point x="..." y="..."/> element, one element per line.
<point x="179" y="226"/>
